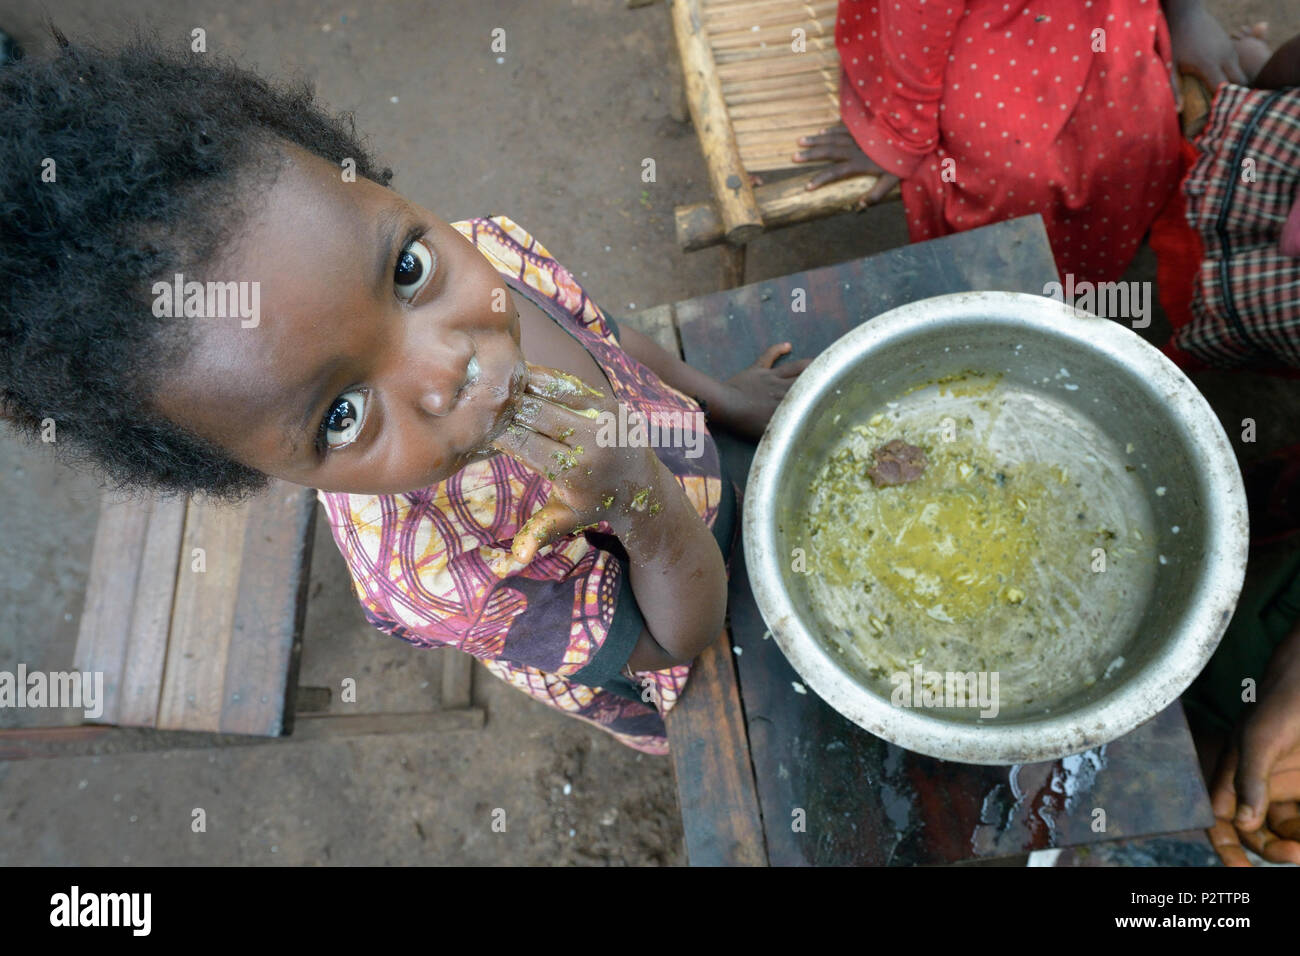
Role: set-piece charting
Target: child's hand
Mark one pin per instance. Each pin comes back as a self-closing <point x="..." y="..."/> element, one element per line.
<point x="751" y="397"/>
<point x="1276" y="837"/>
<point x="838" y="145"/>
<point x="1257" y="785"/>
<point x="554" y="433"/>
<point x="1201" y="46"/>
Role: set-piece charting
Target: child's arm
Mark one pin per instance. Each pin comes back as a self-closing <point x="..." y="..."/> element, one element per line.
<point x="678" y="578"/>
<point x="676" y="570"/>
<point x="743" y="403"/>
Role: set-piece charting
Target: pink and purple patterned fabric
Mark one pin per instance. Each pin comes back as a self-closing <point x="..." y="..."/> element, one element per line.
<point x="433" y="566"/>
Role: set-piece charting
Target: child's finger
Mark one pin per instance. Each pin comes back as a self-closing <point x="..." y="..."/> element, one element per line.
<point x="771" y="354"/>
<point x="541" y="453"/>
<point x="562" y="388"/>
<point x="1268" y="845"/>
<point x="827" y="151"/>
<point x="1284" y="820"/>
<point x="792" y="369"/>
<point x="1251" y="782"/>
<point x="1225" y="842"/>
<point x="830" y="175"/>
<point x="881" y="189"/>
<point x="557" y="422"/>
<point x="1223" y="791"/>
<point x="547" y="524"/>
<point x="824" y="137"/>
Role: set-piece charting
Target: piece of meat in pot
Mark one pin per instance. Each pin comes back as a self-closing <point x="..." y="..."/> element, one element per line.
<point x="897" y="463"/>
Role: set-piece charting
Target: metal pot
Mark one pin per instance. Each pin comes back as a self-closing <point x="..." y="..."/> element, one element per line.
<point x="1118" y="385"/>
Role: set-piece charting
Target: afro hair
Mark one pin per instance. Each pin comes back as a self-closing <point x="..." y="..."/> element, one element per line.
<point x="124" y="167"/>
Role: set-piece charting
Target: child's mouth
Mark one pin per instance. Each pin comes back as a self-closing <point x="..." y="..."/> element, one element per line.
<point x="509" y="394"/>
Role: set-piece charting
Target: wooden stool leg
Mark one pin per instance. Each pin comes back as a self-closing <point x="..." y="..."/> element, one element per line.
<point x="733" y="265"/>
<point x="457" y="679"/>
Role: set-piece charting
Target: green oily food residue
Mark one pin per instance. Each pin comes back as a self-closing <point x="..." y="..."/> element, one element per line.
<point x="563" y="384"/>
<point x="992" y="560"/>
<point x="952" y="545"/>
<point x="965" y="383"/>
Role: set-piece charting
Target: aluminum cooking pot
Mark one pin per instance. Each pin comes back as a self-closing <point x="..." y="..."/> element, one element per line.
<point x="1118" y="385"/>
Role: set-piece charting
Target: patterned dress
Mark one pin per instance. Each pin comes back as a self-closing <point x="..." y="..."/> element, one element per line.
<point x="433" y="566"/>
<point x="988" y="110"/>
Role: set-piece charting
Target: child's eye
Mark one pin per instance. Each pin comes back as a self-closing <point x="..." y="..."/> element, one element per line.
<point x="342" y="423"/>
<point x="413" y="269"/>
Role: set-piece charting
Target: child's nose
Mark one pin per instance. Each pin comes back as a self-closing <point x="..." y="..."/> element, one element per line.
<point x="438" y="383"/>
<point x="437" y="401"/>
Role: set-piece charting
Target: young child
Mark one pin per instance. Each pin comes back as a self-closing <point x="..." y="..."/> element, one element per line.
<point x="1228" y="251"/>
<point x="443" y="385"/>
<point x="982" y="110"/>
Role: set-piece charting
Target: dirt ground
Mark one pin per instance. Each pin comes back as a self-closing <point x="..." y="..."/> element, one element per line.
<point x="553" y="137"/>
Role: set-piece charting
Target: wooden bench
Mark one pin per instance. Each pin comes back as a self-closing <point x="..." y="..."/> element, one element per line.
<point x="194" y="611"/>
<point x="194" y="615"/>
<point x="751" y="96"/>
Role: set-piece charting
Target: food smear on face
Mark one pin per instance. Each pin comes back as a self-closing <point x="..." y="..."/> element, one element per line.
<point x="990" y="531"/>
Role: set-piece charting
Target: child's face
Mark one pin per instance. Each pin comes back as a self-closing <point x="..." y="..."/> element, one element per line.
<point x="411" y="362"/>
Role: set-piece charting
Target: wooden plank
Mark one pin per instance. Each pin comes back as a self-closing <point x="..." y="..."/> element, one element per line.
<point x="776" y="31"/>
<point x="750" y="68"/>
<point x="795" y="107"/>
<point x="151" y="616"/>
<point x="787" y="124"/>
<point x="758" y="11"/>
<point x="810" y="86"/>
<point x="105" y="626"/>
<point x="203" y="616"/>
<point x="94" y="740"/>
<point x="733" y="265"/>
<point x="783" y="203"/>
<point x="732" y="191"/>
<point x="715" y="780"/>
<point x="261" y="663"/>
<point x="322" y="726"/>
<point x="457" y="679"/>
<point x="25" y="743"/>
<point x="813" y="76"/>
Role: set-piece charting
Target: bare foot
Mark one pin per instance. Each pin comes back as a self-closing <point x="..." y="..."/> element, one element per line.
<point x="1252" y="46"/>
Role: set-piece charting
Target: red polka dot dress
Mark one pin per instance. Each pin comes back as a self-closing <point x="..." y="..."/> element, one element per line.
<point x="988" y="110"/>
